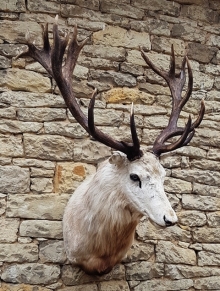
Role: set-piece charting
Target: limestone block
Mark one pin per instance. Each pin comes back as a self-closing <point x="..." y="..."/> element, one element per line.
<point x="164" y="285"/>
<point x="72" y="130"/>
<point x="41" y="228"/>
<point x="5" y="62"/>
<point x="207" y="283"/>
<point x="11" y="145"/>
<point x="81" y="72"/>
<point x="132" y="69"/>
<point x="19" y="252"/>
<point x="31" y="273"/>
<point x="200" y="202"/>
<point x="14" y="6"/>
<point x="114" y="286"/>
<point x="14" y="31"/>
<point x="162" y="44"/>
<point x="122" y="9"/>
<point x="213" y="219"/>
<point x="2" y="203"/>
<point x="152" y="25"/>
<point x="183" y="271"/>
<point x="214" y="154"/>
<point x="114" y="78"/>
<point x="208" y="259"/>
<point x="159" y="5"/>
<point x="198" y="12"/>
<point x="69" y="176"/>
<point x="9" y="229"/>
<point x="14" y="179"/>
<point x="206" y="235"/>
<point x="156" y="121"/>
<point x="192" y="218"/>
<point x="41" y="114"/>
<point x="90" y="151"/>
<point x="213" y="40"/>
<point x="185" y="30"/>
<point x="99" y="64"/>
<point x="11" y="50"/>
<point x="192" y="152"/>
<point x="167" y="252"/>
<point x="19" y="287"/>
<point x="43" y="6"/>
<point x="93" y="4"/>
<point x="170" y="161"/>
<point x="148" y="231"/>
<point x="128" y="95"/>
<point x="42" y="185"/>
<point x="22" y="162"/>
<point x="42" y="172"/>
<point x="22" y="80"/>
<point x="75" y="276"/>
<point x="51" y="251"/>
<point x="120" y="37"/>
<point x="144" y="271"/>
<point x="49" y="147"/>
<point x="9" y="112"/>
<point x="35" y="206"/>
<point x="139" y="252"/>
<point x="177" y="186"/>
<point x="87" y="25"/>
<point x="206" y="190"/>
<point x="25" y="99"/>
<point x="105" y="52"/>
<point x="202" y="81"/>
<point x="197" y="175"/>
<point x="15" y="126"/>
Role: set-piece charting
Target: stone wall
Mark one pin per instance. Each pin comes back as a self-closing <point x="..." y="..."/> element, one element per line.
<point x="45" y="154"/>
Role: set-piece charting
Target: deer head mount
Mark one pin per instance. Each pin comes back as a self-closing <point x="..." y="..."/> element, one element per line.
<point x="100" y="219"/>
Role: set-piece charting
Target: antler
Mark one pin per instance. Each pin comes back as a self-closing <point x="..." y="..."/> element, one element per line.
<point x="176" y="83"/>
<point x="51" y="58"/>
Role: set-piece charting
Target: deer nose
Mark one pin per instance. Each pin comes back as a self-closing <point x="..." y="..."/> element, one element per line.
<point x="167" y="221"/>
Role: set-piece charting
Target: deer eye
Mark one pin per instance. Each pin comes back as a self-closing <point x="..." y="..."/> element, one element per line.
<point x="135" y="178"/>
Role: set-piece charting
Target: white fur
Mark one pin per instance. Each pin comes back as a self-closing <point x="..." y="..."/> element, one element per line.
<point x="100" y="218"/>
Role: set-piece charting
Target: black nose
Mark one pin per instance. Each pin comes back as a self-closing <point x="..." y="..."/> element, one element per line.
<point x="167" y="221"/>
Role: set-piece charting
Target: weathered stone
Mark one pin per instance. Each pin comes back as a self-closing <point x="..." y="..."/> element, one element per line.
<point x="192" y="218"/>
<point x="41" y="228"/>
<point x="36" y="172"/>
<point x="31" y="273"/>
<point x="114" y="78"/>
<point x="200" y="52"/>
<point x="213" y="219"/>
<point x="119" y="37"/>
<point x="99" y="64"/>
<point x="9" y="112"/>
<point x="49" y="147"/>
<point x="144" y="271"/>
<point x="187" y="31"/>
<point x="41" y="114"/>
<point x="75" y="276"/>
<point x="11" y="145"/>
<point x="208" y="259"/>
<point x="127" y="95"/>
<point x="15" y="126"/>
<point x="43" y="6"/>
<point x="4" y="62"/>
<point x="163" y="45"/>
<point x="167" y="252"/>
<point x="197" y="12"/>
<point x="151" y="25"/>
<point x="88" y="25"/>
<point x="19" y="287"/>
<point x="45" y="206"/>
<point x="21" y="80"/>
<point x="206" y="235"/>
<point x="84" y="287"/>
<point x="147" y="231"/>
<point x="161" y="6"/>
<point x="158" y="121"/>
<point x="19" y="252"/>
<point x="164" y="285"/>
<point x="52" y="251"/>
<point x="105" y="52"/>
<point x="93" y="4"/>
<point x="69" y="176"/>
<point x="177" y="186"/>
<point x="24" y="99"/>
<point x="114" y="286"/>
<point x="42" y="185"/>
<point x="139" y="252"/>
<point x="22" y="162"/>
<point x="90" y="151"/>
<point x="208" y="283"/>
<point x="14" y="6"/>
<point x="14" y="179"/>
<point x="206" y="203"/>
<point x="9" y="229"/>
<point x="206" y="190"/>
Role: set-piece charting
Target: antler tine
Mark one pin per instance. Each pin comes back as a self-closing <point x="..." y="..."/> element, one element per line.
<point x="176" y="83"/>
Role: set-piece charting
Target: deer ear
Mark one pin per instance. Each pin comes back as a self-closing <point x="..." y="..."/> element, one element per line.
<point x="117" y="158"/>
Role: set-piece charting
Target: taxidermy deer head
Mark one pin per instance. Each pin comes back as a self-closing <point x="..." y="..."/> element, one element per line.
<point x="100" y="219"/>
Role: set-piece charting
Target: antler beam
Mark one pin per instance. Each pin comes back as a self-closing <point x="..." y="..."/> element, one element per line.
<point x="176" y="83"/>
<point x="52" y="59"/>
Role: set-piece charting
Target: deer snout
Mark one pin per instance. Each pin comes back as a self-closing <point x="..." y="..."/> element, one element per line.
<point x="170" y="219"/>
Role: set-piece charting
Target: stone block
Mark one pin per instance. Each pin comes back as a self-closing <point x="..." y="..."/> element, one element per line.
<point x="208" y="259"/>
<point x="72" y="130"/>
<point x="192" y="218"/>
<point x="161" y="6"/>
<point x="16" y="126"/>
<point x="23" y="162"/>
<point x="14" y="179"/>
<point x="206" y="235"/>
<point x="177" y="186"/>
<point x="185" y="30"/>
<point x="41" y="228"/>
<point x="9" y="228"/>
<point x="41" y="185"/>
<point x="11" y="145"/>
<point x="69" y="176"/>
<point x="51" y="251"/>
<point x="197" y="12"/>
<point x="144" y="271"/>
<point x="5" y="62"/>
<point x="213" y="219"/>
<point x="41" y="114"/>
<point x="19" y="287"/>
<point x="200" y="52"/>
<point x="35" y="206"/>
<point x="31" y="273"/>
<point x="49" y="147"/>
<point x="43" y="6"/>
<point x="14" y="6"/>
<point x="163" y="45"/>
<point x="105" y="52"/>
<point x="139" y="252"/>
<point x="208" y="283"/>
<point x="151" y="25"/>
<point x="19" y="252"/>
<point x="200" y="202"/>
<point x="114" y="286"/>
<point x="93" y="4"/>
<point x="120" y="37"/>
<point x="22" y="80"/>
<point x="164" y="285"/>
<point x="9" y="112"/>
